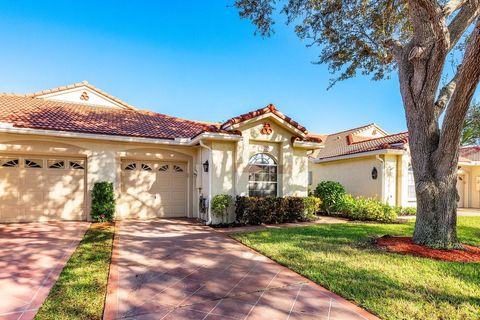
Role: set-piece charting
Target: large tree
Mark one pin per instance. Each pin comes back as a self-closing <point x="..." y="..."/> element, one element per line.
<point x="415" y="38"/>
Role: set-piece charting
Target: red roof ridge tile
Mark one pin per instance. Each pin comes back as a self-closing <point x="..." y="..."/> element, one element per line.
<point x="378" y="138"/>
<point x="269" y="108"/>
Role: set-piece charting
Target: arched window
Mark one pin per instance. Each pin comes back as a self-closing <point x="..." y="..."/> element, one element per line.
<point x="262" y="176"/>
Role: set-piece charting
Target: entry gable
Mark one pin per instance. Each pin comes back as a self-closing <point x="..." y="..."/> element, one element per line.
<point x="267" y="113"/>
<point x="82" y="93"/>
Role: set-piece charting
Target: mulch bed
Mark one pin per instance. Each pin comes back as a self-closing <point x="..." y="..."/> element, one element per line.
<point x="405" y="245"/>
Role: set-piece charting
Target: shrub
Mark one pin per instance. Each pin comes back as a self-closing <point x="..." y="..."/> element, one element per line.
<point x="330" y="193"/>
<point x="103" y="201"/>
<point x="220" y="205"/>
<point x="254" y="210"/>
<point x="311" y="207"/>
<point x="346" y="205"/>
<point x="373" y="210"/>
<point x="407" y="211"/>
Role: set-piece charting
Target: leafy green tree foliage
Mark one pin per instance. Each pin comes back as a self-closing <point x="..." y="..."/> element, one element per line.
<point x="414" y="38"/>
<point x="471" y="126"/>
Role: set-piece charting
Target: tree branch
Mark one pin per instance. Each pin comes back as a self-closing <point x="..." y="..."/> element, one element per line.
<point x="395" y="47"/>
<point x="446" y="93"/>
<point x="463" y="20"/>
<point x="467" y="81"/>
<point x="452" y="6"/>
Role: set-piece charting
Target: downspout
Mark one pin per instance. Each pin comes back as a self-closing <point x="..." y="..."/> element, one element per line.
<point x="382" y="195"/>
<point x="209" y="209"/>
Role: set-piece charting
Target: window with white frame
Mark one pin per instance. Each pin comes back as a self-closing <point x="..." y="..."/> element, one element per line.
<point x="411" y="184"/>
<point x="262" y="176"/>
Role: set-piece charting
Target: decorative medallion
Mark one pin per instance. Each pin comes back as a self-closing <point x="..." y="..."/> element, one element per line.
<point x="267" y="129"/>
<point x="84" y="96"/>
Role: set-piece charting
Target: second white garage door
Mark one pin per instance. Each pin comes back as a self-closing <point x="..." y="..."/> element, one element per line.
<point x="154" y="189"/>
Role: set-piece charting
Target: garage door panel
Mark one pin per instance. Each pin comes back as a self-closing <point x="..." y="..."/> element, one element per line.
<point x="33" y="178"/>
<point x="11" y="212"/>
<point x="34" y="192"/>
<point x="33" y="198"/>
<point x="160" y="191"/>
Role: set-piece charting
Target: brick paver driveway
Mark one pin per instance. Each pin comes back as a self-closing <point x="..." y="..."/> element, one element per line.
<point x="174" y="269"/>
<point x="32" y="255"/>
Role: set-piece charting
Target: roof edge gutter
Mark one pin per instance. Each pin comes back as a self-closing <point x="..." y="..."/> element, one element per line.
<point x="8" y="128"/>
<point x="360" y="154"/>
<point x="308" y="145"/>
<point x="215" y="136"/>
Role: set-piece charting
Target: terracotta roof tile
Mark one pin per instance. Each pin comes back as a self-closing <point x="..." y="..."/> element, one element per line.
<point x="268" y="109"/>
<point x="36" y="113"/>
<point x="349" y="142"/>
<point x="470" y="153"/>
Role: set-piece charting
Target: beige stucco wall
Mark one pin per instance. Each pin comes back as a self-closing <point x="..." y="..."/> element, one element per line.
<point x="228" y="160"/>
<point x="354" y="174"/>
<point x="104" y="158"/>
<point x="292" y="162"/>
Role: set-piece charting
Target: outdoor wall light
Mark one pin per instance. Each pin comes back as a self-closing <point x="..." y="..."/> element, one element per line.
<point x="374" y="173"/>
<point x="205" y="166"/>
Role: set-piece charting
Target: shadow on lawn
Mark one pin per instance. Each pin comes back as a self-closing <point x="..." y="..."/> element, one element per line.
<point x="80" y="290"/>
<point x="333" y="255"/>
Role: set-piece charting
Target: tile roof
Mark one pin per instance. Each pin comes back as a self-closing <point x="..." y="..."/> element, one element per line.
<point x="351" y="142"/>
<point x="468" y="154"/>
<point x="268" y="109"/>
<point x="79" y="85"/>
<point x="30" y="112"/>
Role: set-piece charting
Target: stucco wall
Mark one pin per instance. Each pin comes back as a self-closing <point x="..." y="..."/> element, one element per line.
<point x="103" y="158"/>
<point x="354" y="174"/>
<point x="292" y="162"/>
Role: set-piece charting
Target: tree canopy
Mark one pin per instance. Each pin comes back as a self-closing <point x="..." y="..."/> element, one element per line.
<point x="416" y="38"/>
<point x="471" y="126"/>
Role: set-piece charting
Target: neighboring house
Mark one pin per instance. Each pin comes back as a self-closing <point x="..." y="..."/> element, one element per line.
<point x="55" y="144"/>
<point x="369" y="162"/>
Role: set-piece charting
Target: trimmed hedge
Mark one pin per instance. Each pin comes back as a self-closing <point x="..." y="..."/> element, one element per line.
<point x="255" y="210"/>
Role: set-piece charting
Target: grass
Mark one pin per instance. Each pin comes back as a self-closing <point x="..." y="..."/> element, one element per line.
<point x="80" y="290"/>
<point x="341" y="258"/>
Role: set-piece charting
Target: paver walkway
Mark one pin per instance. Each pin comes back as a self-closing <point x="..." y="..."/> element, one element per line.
<point x="320" y="220"/>
<point x="176" y="269"/>
<point x="32" y="256"/>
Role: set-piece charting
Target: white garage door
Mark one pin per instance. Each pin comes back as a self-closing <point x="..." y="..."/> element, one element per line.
<point x="154" y="189"/>
<point x="41" y="189"/>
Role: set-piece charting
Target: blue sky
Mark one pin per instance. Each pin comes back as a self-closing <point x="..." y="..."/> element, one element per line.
<point x="192" y="59"/>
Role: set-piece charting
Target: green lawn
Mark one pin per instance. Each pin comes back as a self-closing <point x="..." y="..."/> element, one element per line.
<point x="80" y="290"/>
<point x="341" y="258"/>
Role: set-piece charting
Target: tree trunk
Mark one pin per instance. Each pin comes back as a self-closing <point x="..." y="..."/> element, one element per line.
<point x="435" y="186"/>
<point x="436" y="224"/>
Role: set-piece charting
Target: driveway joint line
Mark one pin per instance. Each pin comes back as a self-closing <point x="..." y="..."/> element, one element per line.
<point x="249" y="271"/>
<point x="261" y="295"/>
<point x="294" y="301"/>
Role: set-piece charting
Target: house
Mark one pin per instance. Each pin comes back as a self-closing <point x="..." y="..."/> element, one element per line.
<point x="55" y="144"/>
<point x="369" y="162"/>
